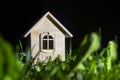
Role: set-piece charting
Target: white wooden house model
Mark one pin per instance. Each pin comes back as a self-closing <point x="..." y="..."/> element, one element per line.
<point x="48" y="36"/>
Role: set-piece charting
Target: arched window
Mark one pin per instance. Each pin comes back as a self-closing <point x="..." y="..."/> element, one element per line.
<point x="48" y="42"/>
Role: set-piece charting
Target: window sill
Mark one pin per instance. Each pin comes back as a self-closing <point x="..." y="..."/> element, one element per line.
<point x="45" y="50"/>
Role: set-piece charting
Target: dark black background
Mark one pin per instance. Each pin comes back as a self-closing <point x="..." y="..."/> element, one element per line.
<point x="78" y="16"/>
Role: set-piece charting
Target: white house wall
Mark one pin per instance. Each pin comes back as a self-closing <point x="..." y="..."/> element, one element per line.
<point x="34" y="43"/>
<point x="60" y="46"/>
<point x="59" y="38"/>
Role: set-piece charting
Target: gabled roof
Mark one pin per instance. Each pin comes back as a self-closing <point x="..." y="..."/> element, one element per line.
<point x="59" y="25"/>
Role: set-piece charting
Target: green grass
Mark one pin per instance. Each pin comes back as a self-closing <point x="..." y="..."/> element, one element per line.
<point x="90" y="61"/>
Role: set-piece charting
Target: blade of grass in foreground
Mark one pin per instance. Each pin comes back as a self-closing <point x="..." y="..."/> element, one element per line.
<point x="89" y="45"/>
<point x="9" y="67"/>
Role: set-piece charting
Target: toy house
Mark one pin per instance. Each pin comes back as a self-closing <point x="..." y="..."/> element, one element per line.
<point x="48" y="36"/>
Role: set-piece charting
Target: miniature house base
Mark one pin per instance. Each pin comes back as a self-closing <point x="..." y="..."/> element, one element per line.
<point x="48" y="36"/>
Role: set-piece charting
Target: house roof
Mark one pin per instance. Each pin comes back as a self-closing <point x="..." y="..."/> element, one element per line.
<point x="56" y="22"/>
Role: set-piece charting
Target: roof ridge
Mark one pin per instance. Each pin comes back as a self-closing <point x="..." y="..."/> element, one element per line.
<point x="41" y="19"/>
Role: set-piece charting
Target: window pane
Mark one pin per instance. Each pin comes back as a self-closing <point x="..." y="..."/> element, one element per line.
<point x="50" y="44"/>
<point x="44" y="44"/>
<point x="50" y="37"/>
<point x="45" y="37"/>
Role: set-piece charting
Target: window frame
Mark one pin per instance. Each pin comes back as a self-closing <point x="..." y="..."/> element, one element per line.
<point x="48" y="43"/>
